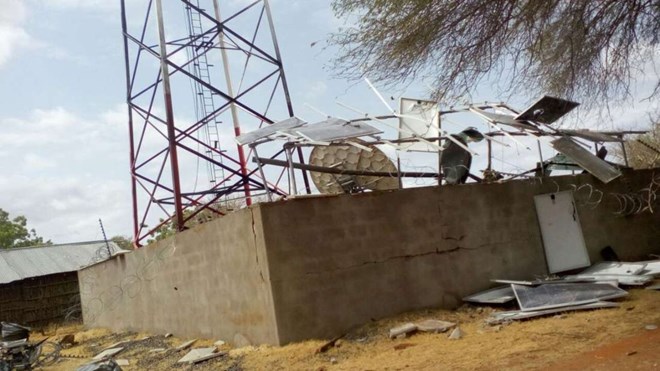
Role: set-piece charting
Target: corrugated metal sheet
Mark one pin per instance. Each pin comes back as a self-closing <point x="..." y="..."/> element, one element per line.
<point x="21" y="263"/>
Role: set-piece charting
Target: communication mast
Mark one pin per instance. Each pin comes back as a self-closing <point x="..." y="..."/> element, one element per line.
<point x="196" y="76"/>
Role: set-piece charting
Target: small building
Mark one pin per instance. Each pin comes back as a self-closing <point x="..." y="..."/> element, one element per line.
<point x="39" y="285"/>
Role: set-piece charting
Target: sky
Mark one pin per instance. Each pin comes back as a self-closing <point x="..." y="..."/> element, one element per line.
<point x="63" y="120"/>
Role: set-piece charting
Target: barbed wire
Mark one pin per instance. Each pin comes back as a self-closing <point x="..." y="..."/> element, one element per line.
<point x="638" y="202"/>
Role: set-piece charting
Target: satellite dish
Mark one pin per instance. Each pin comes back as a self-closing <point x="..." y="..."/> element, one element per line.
<point x="351" y="158"/>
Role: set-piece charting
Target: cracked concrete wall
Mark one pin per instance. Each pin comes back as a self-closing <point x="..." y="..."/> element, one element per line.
<point x="211" y="281"/>
<point x="315" y="267"/>
<point x="338" y="262"/>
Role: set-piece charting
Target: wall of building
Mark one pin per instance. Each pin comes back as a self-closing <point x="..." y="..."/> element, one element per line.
<point x="315" y="267"/>
<point x="41" y="300"/>
<point x="337" y="262"/>
<point x="207" y="282"/>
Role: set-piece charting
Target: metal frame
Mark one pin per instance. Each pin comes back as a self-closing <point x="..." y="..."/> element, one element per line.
<point x="175" y="137"/>
<point x="616" y="293"/>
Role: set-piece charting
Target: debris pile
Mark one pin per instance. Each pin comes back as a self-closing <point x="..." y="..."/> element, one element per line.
<point x="106" y="359"/>
<point x="429" y="325"/>
<point x="590" y="289"/>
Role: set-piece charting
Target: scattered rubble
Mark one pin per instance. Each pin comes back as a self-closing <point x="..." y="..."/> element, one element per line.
<point x="404" y="329"/>
<point x="108" y="353"/>
<point x="326" y="346"/>
<point x="434" y="325"/>
<point x="122" y="362"/>
<point x="186" y="345"/>
<point x="403" y="346"/>
<point x="427" y="325"/>
<point x="456" y="334"/>
<point x="200" y="354"/>
<point x="66" y="340"/>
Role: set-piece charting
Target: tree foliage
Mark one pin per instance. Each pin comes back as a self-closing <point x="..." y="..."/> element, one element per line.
<point x="14" y="232"/>
<point x="123" y="242"/>
<point x="588" y="50"/>
<point x="644" y="151"/>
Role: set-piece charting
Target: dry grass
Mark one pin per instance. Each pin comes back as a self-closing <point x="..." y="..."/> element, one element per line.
<point x="536" y="343"/>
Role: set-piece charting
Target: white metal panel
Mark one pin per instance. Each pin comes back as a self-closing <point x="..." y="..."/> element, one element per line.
<point x="421" y="117"/>
<point x="561" y="232"/>
<point x="615" y="268"/>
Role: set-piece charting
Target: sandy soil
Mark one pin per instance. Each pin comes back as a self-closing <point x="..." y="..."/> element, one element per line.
<point x="576" y="340"/>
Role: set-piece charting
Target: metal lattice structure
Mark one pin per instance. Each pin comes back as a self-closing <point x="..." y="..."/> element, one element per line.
<point x="183" y="60"/>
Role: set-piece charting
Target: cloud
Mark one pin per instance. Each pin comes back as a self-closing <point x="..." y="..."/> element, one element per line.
<point x="83" y="4"/>
<point x="13" y="36"/>
<point x="64" y="172"/>
<point x="13" y="12"/>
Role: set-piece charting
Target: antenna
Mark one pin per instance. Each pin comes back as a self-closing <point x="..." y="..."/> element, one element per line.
<point x="348" y="157"/>
<point x="105" y="238"/>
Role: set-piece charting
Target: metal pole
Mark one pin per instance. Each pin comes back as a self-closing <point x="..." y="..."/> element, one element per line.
<point x="334" y="170"/>
<point x="169" y="113"/>
<point x="131" y="144"/>
<point x="490" y="155"/>
<point x="623" y="150"/>
<point x="285" y="85"/>
<point x="538" y="144"/>
<point x="398" y="171"/>
<point x="439" y="150"/>
<point x="232" y="106"/>
<point x="261" y="171"/>
<point x="278" y="56"/>
<point x="292" y="174"/>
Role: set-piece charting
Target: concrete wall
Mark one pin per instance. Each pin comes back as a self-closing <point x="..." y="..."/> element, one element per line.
<point x="41" y="300"/>
<point x="210" y="282"/>
<point x="339" y="262"/>
<point x="315" y="267"/>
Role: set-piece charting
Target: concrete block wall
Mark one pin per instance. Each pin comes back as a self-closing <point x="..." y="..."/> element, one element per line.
<point x="315" y="267"/>
<point x="338" y="262"/>
<point x="208" y="282"/>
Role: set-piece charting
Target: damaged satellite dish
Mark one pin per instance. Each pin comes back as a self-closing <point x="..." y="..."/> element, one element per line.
<point x="348" y="157"/>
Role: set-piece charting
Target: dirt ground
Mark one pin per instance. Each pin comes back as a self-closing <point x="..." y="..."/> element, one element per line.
<point x="603" y="339"/>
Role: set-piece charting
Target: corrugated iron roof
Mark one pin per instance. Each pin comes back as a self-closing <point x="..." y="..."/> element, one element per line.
<point x="20" y="263"/>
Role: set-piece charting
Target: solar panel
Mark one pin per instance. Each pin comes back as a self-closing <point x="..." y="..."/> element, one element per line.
<point x="531" y="298"/>
<point x="502" y="119"/>
<point x="588" y="161"/>
<point x="334" y="129"/>
<point x="547" y="110"/>
<point x="266" y="131"/>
